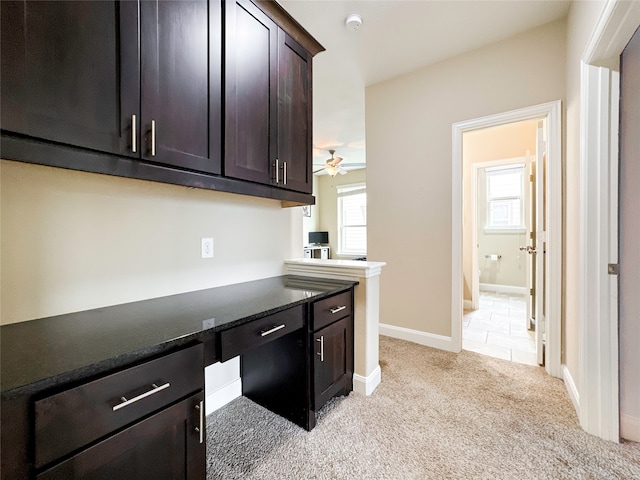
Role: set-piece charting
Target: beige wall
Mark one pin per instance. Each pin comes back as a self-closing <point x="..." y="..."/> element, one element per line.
<point x="513" y="140"/>
<point x="328" y="204"/>
<point x="409" y="120"/>
<point x="580" y="24"/>
<point x="73" y="240"/>
<point x="310" y="224"/>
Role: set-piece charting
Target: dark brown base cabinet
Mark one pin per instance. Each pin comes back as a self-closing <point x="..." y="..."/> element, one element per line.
<point x="163" y="446"/>
<point x="332" y="361"/>
<point x="135" y="89"/>
<point x="145" y="418"/>
<point x="331" y="335"/>
<point x="132" y="424"/>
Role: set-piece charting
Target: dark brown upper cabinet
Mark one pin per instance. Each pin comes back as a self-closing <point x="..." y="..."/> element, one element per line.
<point x="181" y="55"/>
<point x="134" y="89"/>
<point x="268" y="130"/>
<point x="65" y="72"/>
<point x="136" y="79"/>
<point x="251" y="77"/>
<point x="294" y="114"/>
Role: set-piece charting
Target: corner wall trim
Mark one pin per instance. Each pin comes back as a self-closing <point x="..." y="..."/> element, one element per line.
<point x="222" y="396"/>
<point x="422" y="338"/>
<point x="572" y="390"/>
<point x="490" y="287"/>
<point x="366" y="385"/>
<point x="630" y="427"/>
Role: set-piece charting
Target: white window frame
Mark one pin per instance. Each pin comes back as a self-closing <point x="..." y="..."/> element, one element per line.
<point x="521" y="228"/>
<point x="344" y="191"/>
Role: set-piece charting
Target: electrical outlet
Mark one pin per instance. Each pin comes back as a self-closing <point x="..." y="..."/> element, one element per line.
<point x="207" y="248"/>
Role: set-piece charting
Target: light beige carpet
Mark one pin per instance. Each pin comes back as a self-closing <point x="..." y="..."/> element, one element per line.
<point x="436" y="415"/>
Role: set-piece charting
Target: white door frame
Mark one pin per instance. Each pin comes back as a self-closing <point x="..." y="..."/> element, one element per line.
<point x="553" y="113"/>
<point x="598" y="400"/>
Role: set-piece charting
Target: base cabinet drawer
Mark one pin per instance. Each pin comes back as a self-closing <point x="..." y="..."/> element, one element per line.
<point x="237" y="340"/>
<point x="69" y="420"/>
<point x="331" y="309"/>
<point x="166" y="445"/>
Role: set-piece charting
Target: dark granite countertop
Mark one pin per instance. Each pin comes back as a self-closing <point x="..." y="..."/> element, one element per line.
<point x="43" y="353"/>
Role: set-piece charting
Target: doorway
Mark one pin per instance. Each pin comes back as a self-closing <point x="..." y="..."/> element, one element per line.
<point x="499" y="261"/>
<point x="547" y="241"/>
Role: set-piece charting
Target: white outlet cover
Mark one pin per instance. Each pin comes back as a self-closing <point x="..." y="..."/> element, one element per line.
<point x="207" y="248"/>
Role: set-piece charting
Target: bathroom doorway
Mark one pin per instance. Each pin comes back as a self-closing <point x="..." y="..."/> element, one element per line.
<point x="500" y="257"/>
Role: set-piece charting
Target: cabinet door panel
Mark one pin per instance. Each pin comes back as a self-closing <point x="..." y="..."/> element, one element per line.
<point x="176" y="94"/>
<point x="332" y="360"/>
<point x="294" y="113"/>
<point x="64" y="65"/>
<point x="251" y="92"/>
<point x="164" y="446"/>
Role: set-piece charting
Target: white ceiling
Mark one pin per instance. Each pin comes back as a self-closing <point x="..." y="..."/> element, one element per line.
<point x="396" y="37"/>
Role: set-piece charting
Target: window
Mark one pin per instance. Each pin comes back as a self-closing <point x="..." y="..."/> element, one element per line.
<point x="505" y="197"/>
<point x="352" y="219"/>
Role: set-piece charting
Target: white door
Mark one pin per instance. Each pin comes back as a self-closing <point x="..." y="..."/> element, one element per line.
<point x="536" y="317"/>
<point x="539" y="283"/>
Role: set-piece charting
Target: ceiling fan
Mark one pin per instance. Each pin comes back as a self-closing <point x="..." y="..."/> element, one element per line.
<point x="332" y="166"/>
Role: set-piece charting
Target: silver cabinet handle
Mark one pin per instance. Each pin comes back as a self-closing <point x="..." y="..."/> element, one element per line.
<point x="321" y="340"/>
<point x="134" y="134"/>
<point x="277" y="167"/>
<point x="154" y="389"/>
<point x="153" y="138"/>
<point x="284" y="172"/>
<point x="337" y="309"/>
<point x="200" y="429"/>
<point x="274" y="329"/>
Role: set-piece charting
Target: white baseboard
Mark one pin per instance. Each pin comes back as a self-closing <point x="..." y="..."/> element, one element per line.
<point x="223" y="395"/>
<point x="366" y="385"/>
<point x="422" y="338"/>
<point x="467" y="304"/>
<point x="571" y="388"/>
<point x="489" y="287"/>
<point x="629" y="427"/>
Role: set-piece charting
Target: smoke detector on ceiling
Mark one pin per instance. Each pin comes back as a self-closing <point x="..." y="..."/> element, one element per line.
<point x="354" y="22"/>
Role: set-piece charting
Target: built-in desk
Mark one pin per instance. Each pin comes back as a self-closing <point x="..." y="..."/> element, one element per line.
<point x="269" y="321"/>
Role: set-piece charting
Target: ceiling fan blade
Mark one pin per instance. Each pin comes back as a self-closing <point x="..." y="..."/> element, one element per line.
<point x="337" y="160"/>
<point x="319" y="170"/>
<point x="342" y="171"/>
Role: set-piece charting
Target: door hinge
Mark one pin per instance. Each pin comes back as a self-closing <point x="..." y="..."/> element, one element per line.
<point x="613" y="269"/>
<point x="532" y="291"/>
<point x="531" y="178"/>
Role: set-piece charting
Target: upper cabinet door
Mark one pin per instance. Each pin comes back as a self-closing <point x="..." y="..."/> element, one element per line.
<point x="181" y="57"/>
<point x="66" y="68"/>
<point x="294" y="114"/>
<point x="250" y="92"/>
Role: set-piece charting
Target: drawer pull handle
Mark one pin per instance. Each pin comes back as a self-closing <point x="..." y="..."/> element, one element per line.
<point x="274" y="329"/>
<point x="154" y="389"/>
<point x="337" y="309"/>
<point x="321" y="340"/>
<point x="200" y="429"/>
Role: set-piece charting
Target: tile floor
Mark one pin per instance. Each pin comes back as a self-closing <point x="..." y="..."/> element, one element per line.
<point x="499" y="328"/>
